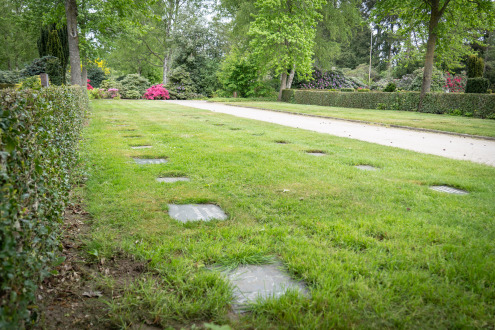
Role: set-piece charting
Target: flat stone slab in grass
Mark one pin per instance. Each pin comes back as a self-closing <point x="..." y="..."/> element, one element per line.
<point x="141" y="147"/>
<point x="449" y="190"/>
<point x="366" y="167"/>
<point x="148" y="161"/>
<point x="317" y="154"/>
<point x="172" y="179"/>
<point x="260" y="281"/>
<point x="196" y="212"/>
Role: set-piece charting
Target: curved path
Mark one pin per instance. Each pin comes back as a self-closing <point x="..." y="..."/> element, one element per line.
<point x="450" y="146"/>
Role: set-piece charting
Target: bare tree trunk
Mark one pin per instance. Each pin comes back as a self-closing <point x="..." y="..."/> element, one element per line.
<point x="166" y="67"/>
<point x="75" y="61"/>
<point x="84" y="76"/>
<point x="291" y="77"/>
<point x="429" y="57"/>
<point x="283" y="84"/>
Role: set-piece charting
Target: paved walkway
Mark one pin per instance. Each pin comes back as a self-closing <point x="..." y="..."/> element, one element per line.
<point x="450" y="146"/>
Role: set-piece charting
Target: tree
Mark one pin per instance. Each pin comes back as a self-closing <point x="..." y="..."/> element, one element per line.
<point x="283" y="35"/>
<point x="445" y="24"/>
<point x="73" y="39"/>
<point x="54" y="42"/>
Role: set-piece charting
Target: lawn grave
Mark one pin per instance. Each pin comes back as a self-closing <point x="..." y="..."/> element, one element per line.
<point x="141" y="147"/>
<point x="317" y="153"/>
<point x="172" y="179"/>
<point x="149" y="161"/>
<point x="449" y="190"/>
<point x="252" y="282"/>
<point x="196" y="212"/>
<point x="366" y="167"/>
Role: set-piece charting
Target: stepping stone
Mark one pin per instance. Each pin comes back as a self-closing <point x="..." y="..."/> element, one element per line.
<point x="316" y="153"/>
<point x="172" y="179"/>
<point x="148" y="161"/>
<point x="260" y="281"/>
<point x="196" y="212"/>
<point x="366" y="167"/>
<point x="141" y="147"/>
<point x="449" y="190"/>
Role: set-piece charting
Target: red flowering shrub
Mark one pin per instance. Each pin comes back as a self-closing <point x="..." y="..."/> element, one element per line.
<point x="454" y="84"/>
<point x="88" y="86"/>
<point x="156" y="92"/>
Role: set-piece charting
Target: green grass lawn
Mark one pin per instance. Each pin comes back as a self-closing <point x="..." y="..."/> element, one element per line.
<point x="376" y="249"/>
<point x="465" y="125"/>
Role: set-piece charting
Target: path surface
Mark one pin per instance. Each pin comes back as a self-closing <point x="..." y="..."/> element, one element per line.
<point x="450" y="146"/>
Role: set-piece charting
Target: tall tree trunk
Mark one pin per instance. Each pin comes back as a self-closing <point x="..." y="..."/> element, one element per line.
<point x="291" y="77"/>
<point x="84" y="76"/>
<point x="75" y="61"/>
<point x="283" y="84"/>
<point x="166" y="67"/>
<point x="430" y="53"/>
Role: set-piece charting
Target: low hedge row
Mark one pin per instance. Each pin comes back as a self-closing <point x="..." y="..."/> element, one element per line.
<point x="39" y="135"/>
<point x="476" y="105"/>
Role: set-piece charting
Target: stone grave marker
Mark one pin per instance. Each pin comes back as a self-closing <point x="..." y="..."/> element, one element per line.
<point x="172" y="179"/>
<point x="260" y="281"/>
<point x="366" y="167"/>
<point x="149" y="161"/>
<point x="316" y="153"/>
<point x="141" y="147"/>
<point x="449" y="190"/>
<point x="196" y="212"/>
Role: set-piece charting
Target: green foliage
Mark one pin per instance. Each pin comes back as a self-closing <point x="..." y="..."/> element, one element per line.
<point x="54" y="42"/>
<point x="33" y="82"/>
<point x="283" y="34"/>
<point x="475" y="66"/>
<point x="347" y="90"/>
<point x="96" y="75"/>
<point x="238" y="73"/>
<point x="391" y="87"/>
<point x="437" y="81"/>
<point x="476" y="105"/>
<point x="477" y="85"/>
<point x="110" y="83"/>
<point x="10" y="77"/>
<point x="134" y="86"/>
<point x="40" y="131"/>
<point x="363" y="90"/>
<point x="47" y="64"/>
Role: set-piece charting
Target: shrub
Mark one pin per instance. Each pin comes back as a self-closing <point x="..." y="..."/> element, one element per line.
<point x="113" y="93"/>
<point x="329" y="79"/>
<point x="455" y="84"/>
<point x="38" y="157"/>
<point x="133" y="86"/>
<point x="391" y="87"/>
<point x="477" y="85"/>
<point x="97" y="93"/>
<point x="475" y="66"/>
<point x="10" y="77"/>
<point x="437" y="81"/>
<point x="96" y="76"/>
<point x="46" y="64"/>
<point x="156" y="92"/>
<point x="33" y="82"/>
<point x="110" y="84"/>
<point x="363" y="90"/>
<point x="476" y="105"/>
<point x="88" y="85"/>
<point x="347" y="90"/>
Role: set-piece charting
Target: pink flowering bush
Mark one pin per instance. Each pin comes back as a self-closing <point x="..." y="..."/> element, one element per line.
<point x="113" y="93"/>
<point x="455" y="84"/>
<point x="88" y="86"/>
<point x="156" y="92"/>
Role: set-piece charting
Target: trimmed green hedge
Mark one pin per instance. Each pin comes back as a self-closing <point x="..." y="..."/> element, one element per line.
<point x="39" y="135"/>
<point x="477" y="105"/>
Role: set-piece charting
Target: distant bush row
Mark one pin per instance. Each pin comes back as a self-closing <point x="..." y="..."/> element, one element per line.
<point x="471" y="105"/>
<point x="40" y="131"/>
